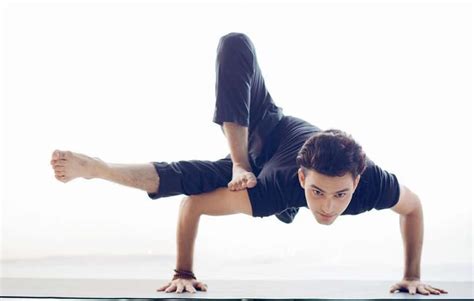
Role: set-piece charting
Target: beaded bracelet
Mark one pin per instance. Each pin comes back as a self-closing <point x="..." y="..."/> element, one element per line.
<point x="183" y="274"/>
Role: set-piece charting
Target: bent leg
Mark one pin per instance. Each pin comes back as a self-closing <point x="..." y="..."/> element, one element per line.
<point x="191" y="177"/>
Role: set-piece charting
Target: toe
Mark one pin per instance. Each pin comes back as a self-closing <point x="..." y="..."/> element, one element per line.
<point x="56" y="154"/>
<point x="59" y="168"/>
<point x="63" y="155"/>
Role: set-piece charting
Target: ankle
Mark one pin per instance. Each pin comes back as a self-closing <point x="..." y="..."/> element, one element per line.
<point x="99" y="168"/>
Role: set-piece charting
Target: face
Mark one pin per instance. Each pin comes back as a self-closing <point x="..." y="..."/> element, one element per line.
<point x="327" y="195"/>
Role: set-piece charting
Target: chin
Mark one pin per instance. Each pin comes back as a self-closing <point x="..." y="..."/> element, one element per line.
<point x="325" y="221"/>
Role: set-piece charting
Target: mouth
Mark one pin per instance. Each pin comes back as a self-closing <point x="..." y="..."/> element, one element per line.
<point x="327" y="216"/>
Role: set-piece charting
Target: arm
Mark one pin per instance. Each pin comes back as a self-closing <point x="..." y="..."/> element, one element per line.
<point x="215" y="203"/>
<point x="411" y="227"/>
<point x="188" y="221"/>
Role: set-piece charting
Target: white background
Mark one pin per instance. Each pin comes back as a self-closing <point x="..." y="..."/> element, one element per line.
<point x="134" y="83"/>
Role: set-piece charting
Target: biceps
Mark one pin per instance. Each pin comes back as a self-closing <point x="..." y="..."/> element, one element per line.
<point x="407" y="202"/>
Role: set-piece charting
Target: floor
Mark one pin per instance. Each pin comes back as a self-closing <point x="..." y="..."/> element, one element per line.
<point x="132" y="277"/>
<point x="218" y="289"/>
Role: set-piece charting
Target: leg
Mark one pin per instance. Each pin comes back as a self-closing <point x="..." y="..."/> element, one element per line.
<point x="69" y="165"/>
<point x="158" y="179"/>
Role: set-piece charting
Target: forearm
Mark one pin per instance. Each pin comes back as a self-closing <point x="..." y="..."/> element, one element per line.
<point x="186" y="233"/>
<point x="411" y="227"/>
<point x="237" y="138"/>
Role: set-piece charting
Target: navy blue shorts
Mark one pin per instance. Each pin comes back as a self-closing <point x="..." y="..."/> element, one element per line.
<point x="276" y="171"/>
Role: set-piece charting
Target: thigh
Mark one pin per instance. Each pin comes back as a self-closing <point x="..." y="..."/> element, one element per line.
<point x="221" y="201"/>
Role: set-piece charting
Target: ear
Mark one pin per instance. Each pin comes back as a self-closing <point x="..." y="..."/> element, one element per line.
<point x="301" y="177"/>
<point x="356" y="182"/>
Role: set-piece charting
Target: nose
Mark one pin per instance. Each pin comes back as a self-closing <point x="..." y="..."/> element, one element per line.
<point x="327" y="208"/>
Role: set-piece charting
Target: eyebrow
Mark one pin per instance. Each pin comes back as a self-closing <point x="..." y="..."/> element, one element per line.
<point x="314" y="186"/>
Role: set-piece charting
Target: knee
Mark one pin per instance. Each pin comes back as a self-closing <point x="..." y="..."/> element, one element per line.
<point x="233" y="40"/>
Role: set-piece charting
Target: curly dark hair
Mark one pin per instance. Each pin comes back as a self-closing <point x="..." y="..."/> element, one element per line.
<point x="333" y="153"/>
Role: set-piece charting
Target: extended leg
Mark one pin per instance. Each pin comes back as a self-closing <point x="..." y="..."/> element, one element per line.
<point x="68" y="165"/>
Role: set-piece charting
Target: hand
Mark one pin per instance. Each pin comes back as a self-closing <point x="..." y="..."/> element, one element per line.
<point x="241" y="179"/>
<point x="179" y="285"/>
<point x="415" y="285"/>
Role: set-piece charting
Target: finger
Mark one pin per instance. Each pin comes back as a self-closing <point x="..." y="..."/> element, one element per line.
<point x="422" y="290"/>
<point x="394" y="288"/>
<point x="412" y="290"/>
<point x="190" y="288"/>
<point x="202" y="286"/>
<point x="440" y="290"/>
<point x="171" y="288"/>
<point x="180" y="288"/>
<point x="432" y="290"/>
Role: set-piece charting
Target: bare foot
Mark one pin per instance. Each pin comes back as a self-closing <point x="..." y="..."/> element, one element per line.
<point x="241" y="179"/>
<point x="68" y="165"/>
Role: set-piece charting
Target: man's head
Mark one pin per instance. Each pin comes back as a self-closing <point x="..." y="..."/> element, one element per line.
<point x="331" y="163"/>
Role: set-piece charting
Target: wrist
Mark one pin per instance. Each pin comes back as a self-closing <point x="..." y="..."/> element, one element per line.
<point x="183" y="274"/>
<point x="411" y="278"/>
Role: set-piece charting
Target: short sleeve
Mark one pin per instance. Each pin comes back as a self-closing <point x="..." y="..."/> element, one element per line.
<point x="377" y="189"/>
<point x="277" y="190"/>
<point x="234" y="74"/>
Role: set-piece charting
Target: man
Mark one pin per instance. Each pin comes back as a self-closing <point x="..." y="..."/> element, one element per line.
<point x="277" y="163"/>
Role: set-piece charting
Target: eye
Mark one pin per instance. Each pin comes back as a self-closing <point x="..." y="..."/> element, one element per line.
<point x="317" y="192"/>
<point x="341" y="195"/>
